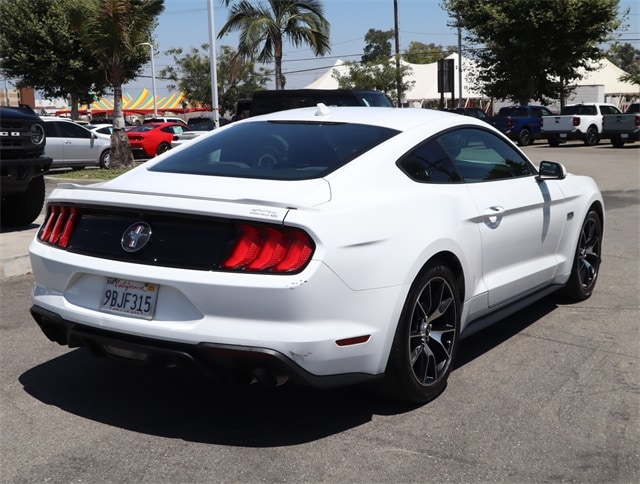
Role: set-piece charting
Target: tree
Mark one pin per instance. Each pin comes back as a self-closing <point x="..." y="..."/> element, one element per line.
<point x="419" y="53"/>
<point x="627" y="58"/>
<point x="379" y="77"/>
<point x="534" y="49"/>
<point x="264" y="29"/>
<point x="378" y="46"/>
<point x="237" y="77"/>
<point x="40" y="49"/>
<point x="113" y="30"/>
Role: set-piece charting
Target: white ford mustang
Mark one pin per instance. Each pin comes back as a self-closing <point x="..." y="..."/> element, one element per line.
<point x="328" y="246"/>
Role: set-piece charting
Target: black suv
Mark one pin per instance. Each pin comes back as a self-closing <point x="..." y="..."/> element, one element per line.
<point x="269" y="101"/>
<point x="22" y="166"/>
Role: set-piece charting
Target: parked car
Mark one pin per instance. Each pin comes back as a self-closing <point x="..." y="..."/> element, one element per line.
<point x="328" y="246"/>
<point x="102" y="128"/>
<point x="474" y="112"/>
<point x="149" y="140"/>
<point x="269" y="101"/>
<point x="74" y="146"/>
<point x="196" y="131"/>
<point x="521" y="123"/>
<point x="577" y="121"/>
<point x="22" y="165"/>
<point x="165" y="119"/>
<point x="622" y="128"/>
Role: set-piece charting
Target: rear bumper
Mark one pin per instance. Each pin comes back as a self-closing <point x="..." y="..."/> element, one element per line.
<point x="244" y="364"/>
<point x="626" y="135"/>
<point x="16" y="174"/>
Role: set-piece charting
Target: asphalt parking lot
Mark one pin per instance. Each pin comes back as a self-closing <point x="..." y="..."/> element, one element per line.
<point x="552" y="394"/>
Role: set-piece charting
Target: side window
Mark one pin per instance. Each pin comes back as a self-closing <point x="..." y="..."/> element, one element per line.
<point x="429" y="163"/>
<point x="479" y="155"/>
<point x="546" y="112"/>
<point x="71" y="130"/>
<point x="51" y="129"/>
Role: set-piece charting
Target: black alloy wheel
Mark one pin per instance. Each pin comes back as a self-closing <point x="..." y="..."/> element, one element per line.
<point x="587" y="259"/>
<point x="426" y="338"/>
<point x="591" y="138"/>
<point x="524" y="137"/>
<point x="162" y="148"/>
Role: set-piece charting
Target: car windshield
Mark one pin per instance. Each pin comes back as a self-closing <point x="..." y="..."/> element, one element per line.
<point x="276" y="150"/>
<point x="513" y="111"/>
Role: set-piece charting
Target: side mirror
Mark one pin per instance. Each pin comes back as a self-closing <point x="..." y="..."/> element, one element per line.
<point x="551" y="170"/>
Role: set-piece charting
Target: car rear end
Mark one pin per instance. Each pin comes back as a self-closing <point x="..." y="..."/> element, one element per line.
<point x="228" y="273"/>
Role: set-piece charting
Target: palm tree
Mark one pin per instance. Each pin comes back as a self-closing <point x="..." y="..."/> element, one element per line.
<point x="263" y="29"/>
<point x="113" y="31"/>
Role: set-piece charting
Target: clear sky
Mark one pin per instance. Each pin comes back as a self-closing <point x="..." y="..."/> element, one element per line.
<point x="185" y="24"/>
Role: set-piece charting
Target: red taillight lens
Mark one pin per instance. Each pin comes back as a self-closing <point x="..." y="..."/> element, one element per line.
<point x="637" y="120"/>
<point x="270" y="249"/>
<point x="509" y="123"/>
<point x="59" y="225"/>
<point x="576" y="121"/>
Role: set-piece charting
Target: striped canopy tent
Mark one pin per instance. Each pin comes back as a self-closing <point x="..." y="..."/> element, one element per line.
<point x="141" y="104"/>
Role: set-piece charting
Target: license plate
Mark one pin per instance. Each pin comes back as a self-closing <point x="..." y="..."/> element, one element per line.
<point x="624" y="135"/>
<point x="563" y="135"/>
<point x="129" y="298"/>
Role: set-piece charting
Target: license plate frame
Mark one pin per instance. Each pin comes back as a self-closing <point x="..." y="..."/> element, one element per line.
<point x="129" y="298"/>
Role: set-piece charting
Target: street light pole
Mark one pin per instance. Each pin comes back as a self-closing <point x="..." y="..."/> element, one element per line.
<point x="153" y="78"/>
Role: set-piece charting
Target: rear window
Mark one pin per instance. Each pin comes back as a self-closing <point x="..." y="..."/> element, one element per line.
<point x="514" y="112"/>
<point x="276" y="150"/>
<point x="580" y="110"/>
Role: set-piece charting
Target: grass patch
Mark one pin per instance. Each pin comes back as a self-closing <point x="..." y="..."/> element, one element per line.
<point x="89" y="174"/>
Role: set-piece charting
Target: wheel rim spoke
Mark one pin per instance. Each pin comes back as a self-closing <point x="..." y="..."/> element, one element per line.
<point x="432" y="331"/>
<point x="589" y="253"/>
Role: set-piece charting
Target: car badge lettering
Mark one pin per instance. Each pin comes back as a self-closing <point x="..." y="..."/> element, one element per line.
<point x="136" y="237"/>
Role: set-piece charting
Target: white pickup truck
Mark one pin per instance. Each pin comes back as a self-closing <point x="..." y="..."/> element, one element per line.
<point x="623" y="128"/>
<point x="577" y="121"/>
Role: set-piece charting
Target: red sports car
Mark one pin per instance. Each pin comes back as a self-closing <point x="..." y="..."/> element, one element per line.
<point x="149" y="140"/>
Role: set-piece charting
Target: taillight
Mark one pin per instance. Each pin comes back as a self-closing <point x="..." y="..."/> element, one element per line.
<point x="576" y="121"/>
<point x="270" y="249"/>
<point x="637" y="120"/>
<point x="509" y="123"/>
<point x="59" y="225"/>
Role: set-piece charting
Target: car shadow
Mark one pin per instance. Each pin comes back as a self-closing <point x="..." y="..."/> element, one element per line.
<point x="18" y="228"/>
<point x="175" y="404"/>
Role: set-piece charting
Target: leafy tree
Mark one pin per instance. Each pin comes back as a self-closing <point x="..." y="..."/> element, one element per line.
<point x="39" y="47"/>
<point x="379" y="77"/>
<point x="113" y="30"/>
<point x="378" y="46"/>
<point x="627" y="58"/>
<point x="534" y="49"/>
<point x="419" y="53"/>
<point x="237" y="77"/>
<point x="265" y="28"/>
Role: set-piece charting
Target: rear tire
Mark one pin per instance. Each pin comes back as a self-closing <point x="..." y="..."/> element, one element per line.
<point x="105" y="159"/>
<point x="524" y="137"/>
<point x="426" y="338"/>
<point x="23" y="208"/>
<point x="617" y="142"/>
<point x="591" y="138"/>
<point x="554" y="142"/>
<point x="162" y="148"/>
<point x="586" y="261"/>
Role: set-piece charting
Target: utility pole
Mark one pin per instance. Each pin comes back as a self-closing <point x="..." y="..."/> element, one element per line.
<point x="397" y="35"/>
<point x="153" y="78"/>
<point x="213" y="62"/>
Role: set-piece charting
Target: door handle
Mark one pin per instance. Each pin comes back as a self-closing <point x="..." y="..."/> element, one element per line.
<point x="494" y="211"/>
